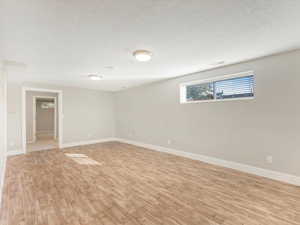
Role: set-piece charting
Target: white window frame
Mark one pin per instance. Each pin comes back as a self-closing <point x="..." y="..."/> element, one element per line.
<point x="182" y="87"/>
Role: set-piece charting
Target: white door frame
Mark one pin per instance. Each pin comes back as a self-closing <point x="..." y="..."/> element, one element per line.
<point x="60" y="114"/>
<point x="34" y="98"/>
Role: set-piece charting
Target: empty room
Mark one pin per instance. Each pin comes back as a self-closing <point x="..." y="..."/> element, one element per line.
<point x="150" y="112"/>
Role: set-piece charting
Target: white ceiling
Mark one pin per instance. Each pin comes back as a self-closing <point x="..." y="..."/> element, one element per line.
<point x="62" y="41"/>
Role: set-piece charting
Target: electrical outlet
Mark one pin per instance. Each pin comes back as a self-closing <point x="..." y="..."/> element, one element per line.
<point x="169" y="142"/>
<point x="90" y="135"/>
<point x="269" y="159"/>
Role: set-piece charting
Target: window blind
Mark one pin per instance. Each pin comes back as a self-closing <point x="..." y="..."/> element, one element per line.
<point x="230" y="88"/>
<point x="234" y="88"/>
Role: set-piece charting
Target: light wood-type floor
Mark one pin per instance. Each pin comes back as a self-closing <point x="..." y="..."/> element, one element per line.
<point x="42" y="144"/>
<point x="134" y="186"/>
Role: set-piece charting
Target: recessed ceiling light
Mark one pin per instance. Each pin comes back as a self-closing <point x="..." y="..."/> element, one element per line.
<point x="142" y="55"/>
<point x="95" y="77"/>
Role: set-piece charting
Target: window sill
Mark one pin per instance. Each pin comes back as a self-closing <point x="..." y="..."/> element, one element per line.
<point x="219" y="100"/>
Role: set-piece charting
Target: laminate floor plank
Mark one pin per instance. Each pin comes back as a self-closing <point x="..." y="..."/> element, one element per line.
<point x="131" y="185"/>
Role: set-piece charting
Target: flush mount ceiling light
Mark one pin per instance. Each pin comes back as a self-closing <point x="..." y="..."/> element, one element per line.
<point x="95" y="77"/>
<point x="142" y="55"/>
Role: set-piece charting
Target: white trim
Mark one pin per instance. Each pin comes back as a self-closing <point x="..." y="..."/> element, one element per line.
<point x="60" y="113"/>
<point x="288" y="178"/>
<point x="16" y="152"/>
<point x="219" y="100"/>
<point x="68" y="145"/>
<point x="33" y="119"/>
<point x="55" y="118"/>
<point x="34" y="98"/>
<point x="223" y="77"/>
<point x="2" y="177"/>
<point x="73" y="144"/>
<point x="3" y="80"/>
<point x="182" y="87"/>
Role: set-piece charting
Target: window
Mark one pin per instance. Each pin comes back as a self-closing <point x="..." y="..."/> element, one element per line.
<point x="231" y="87"/>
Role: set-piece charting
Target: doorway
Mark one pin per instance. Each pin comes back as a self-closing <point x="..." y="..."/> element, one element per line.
<point x="44" y="134"/>
<point x="42" y="119"/>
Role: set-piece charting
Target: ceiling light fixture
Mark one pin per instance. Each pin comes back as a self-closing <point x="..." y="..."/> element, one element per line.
<point x="142" y="55"/>
<point x="95" y="77"/>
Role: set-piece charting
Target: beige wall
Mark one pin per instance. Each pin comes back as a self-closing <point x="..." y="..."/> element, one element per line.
<point x="88" y="114"/>
<point x="29" y="111"/>
<point x="241" y="131"/>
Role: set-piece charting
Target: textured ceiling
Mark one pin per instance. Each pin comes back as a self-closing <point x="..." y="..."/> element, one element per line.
<point x="62" y="41"/>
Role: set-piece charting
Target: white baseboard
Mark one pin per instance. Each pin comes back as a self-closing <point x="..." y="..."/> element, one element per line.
<point x="73" y="144"/>
<point x="68" y="145"/>
<point x="2" y="174"/>
<point x="287" y="178"/>
<point x="15" y="152"/>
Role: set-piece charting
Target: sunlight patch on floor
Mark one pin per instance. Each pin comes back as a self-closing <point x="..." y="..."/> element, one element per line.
<point x="76" y="155"/>
<point x="82" y="159"/>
